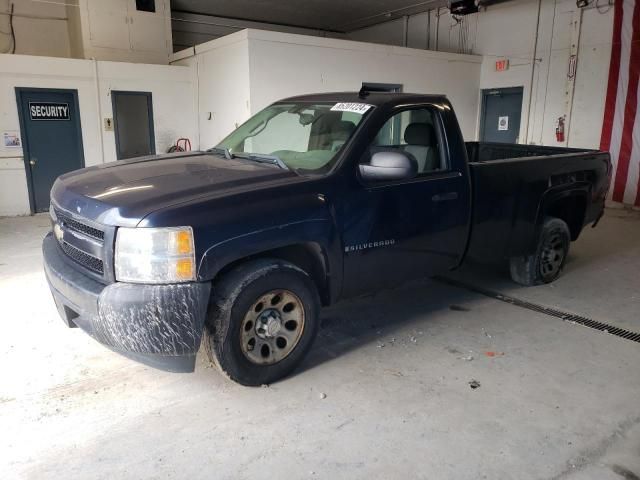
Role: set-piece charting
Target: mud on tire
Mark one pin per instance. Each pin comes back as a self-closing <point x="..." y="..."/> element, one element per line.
<point x="262" y="321"/>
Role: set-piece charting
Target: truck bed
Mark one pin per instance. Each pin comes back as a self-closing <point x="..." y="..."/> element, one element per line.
<point x="480" y="152"/>
<point x="508" y="182"/>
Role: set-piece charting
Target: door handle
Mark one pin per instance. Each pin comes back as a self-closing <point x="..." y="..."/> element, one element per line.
<point x="443" y="197"/>
<point x="33" y="161"/>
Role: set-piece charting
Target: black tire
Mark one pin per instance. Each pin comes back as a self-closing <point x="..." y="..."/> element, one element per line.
<point x="548" y="261"/>
<point x="233" y="297"/>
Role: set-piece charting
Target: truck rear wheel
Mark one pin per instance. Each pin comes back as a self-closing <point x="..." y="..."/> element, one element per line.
<point x="551" y="253"/>
<point x="263" y="321"/>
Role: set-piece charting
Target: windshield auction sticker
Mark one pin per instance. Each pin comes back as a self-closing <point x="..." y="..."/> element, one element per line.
<point x="360" y="108"/>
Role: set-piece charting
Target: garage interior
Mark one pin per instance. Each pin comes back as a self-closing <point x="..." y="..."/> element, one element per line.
<point x="467" y="375"/>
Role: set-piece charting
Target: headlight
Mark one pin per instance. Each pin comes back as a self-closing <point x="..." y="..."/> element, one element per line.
<point x="155" y="255"/>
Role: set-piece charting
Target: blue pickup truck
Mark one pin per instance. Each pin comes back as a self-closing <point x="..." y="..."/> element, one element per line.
<point x="314" y="199"/>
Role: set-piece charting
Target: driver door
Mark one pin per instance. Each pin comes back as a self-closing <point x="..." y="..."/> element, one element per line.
<point x="398" y="230"/>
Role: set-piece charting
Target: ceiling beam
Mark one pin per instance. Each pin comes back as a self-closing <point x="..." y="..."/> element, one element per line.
<point x="388" y="15"/>
<point x="239" y="23"/>
<point x="190" y="16"/>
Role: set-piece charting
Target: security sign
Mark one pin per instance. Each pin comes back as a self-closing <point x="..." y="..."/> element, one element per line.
<point x="49" y="111"/>
<point x="503" y="123"/>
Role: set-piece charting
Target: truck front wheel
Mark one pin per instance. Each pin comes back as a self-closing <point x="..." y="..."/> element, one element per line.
<point x="546" y="264"/>
<point x="263" y="320"/>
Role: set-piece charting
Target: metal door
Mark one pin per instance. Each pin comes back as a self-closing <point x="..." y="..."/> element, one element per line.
<point x="396" y="231"/>
<point x="133" y="124"/>
<point x="52" y="139"/>
<point x="501" y="110"/>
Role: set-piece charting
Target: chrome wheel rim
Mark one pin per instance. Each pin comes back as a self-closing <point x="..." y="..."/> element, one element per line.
<point x="552" y="256"/>
<point x="272" y="327"/>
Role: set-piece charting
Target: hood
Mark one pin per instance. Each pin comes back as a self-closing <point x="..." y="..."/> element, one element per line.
<point x="124" y="192"/>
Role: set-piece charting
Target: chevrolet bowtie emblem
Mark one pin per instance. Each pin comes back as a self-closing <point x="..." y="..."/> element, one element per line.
<point x="57" y="231"/>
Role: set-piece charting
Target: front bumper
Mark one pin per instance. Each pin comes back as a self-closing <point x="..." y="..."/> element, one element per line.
<point x="158" y="325"/>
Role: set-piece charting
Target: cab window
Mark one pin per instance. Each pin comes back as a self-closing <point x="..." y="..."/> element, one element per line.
<point x="413" y="132"/>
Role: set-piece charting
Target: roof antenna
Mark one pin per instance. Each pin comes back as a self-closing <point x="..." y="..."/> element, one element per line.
<point x="364" y="92"/>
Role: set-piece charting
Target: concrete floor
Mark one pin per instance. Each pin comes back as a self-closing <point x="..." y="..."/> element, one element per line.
<point x="557" y="400"/>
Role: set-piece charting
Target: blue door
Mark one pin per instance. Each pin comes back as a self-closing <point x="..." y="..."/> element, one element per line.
<point x="401" y="230"/>
<point x="51" y="137"/>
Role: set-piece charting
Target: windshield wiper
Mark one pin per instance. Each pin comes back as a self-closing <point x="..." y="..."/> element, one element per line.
<point x="222" y="151"/>
<point x="263" y="158"/>
<point x="256" y="157"/>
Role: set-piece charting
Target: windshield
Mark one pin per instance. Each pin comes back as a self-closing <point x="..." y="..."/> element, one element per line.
<point x="303" y="136"/>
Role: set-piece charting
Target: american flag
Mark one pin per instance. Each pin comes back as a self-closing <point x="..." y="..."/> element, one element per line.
<point x="621" y="125"/>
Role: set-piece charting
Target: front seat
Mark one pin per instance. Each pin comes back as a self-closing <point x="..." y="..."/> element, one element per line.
<point x="421" y="143"/>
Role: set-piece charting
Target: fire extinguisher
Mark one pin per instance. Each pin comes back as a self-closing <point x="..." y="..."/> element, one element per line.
<point x="560" y="130"/>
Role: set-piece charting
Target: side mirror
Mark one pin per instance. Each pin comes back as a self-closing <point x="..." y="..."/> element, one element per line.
<point x="387" y="166"/>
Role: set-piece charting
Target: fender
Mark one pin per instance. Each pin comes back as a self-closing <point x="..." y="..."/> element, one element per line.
<point x="235" y="227"/>
<point x="317" y="231"/>
<point x="552" y="196"/>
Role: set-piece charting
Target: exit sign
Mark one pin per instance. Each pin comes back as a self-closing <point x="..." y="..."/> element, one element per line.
<point x="502" y="65"/>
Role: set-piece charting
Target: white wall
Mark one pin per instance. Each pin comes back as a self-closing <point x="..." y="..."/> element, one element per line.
<point x="240" y="74"/>
<point x="31" y="71"/>
<point x="110" y="30"/>
<point x="221" y="71"/>
<point x="591" y="79"/>
<point x="282" y="65"/>
<point x="114" y="30"/>
<point x="546" y="81"/>
<point x="40" y="28"/>
<point x="172" y="97"/>
<point x="508" y="30"/>
<point x="173" y="107"/>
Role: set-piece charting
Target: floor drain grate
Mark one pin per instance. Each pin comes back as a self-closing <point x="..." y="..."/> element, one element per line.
<point x="553" y="312"/>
